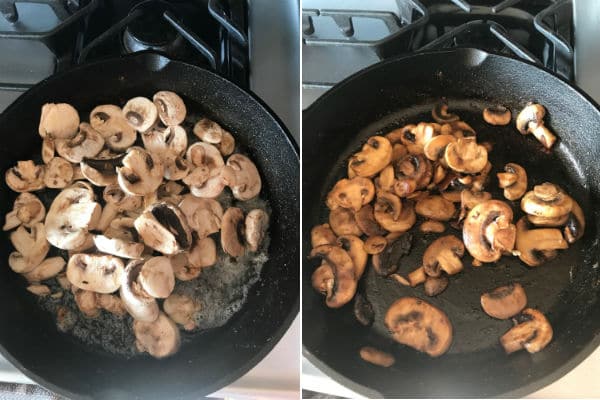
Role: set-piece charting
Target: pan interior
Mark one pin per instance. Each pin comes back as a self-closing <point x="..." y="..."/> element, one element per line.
<point x="565" y="289"/>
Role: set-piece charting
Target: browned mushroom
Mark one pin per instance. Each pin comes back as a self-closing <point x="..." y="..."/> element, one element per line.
<point x="513" y="181"/>
<point x="375" y="244"/>
<point x="412" y="172"/>
<point x="435" y="147"/>
<point x="466" y="156"/>
<point x="531" y="120"/>
<point x="440" y="113"/>
<point x="322" y="279"/>
<point x="469" y="199"/>
<point x="535" y="246"/>
<point x="497" y="115"/>
<point x="342" y="222"/>
<point x="546" y="200"/>
<point x="443" y="255"/>
<point x="505" y="301"/>
<point x="388" y="261"/>
<point x="245" y="183"/>
<point x="374" y="156"/>
<point x="532" y="333"/>
<point x="420" y="325"/>
<point x="322" y="234"/>
<point x="417" y="276"/>
<point x="392" y="215"/>
<point x="432" y="227"/>
<point x="377" y="357"/>
<point x="344" y="285"/>
<point x="435" y="207"/>
<point x="352" y="193"/>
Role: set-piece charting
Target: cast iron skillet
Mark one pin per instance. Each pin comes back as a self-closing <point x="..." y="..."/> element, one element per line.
<point x="29" y="338"/>
<point x="401" y="91"/>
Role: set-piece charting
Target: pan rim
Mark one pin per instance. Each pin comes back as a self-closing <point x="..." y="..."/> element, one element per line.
<point x="536" y="384"/>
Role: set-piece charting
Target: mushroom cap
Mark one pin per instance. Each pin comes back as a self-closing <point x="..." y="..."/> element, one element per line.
<point x="232" y="240"/>
<point x="47" y="269"/>
<point x="171" y="108"/>
<point x="58" y="121"/>
<point x="443" y="254"/>
<point x="27" y="210"/>
<point x="203" y="253"/>
<point x="203" y="215"/>
<point x="109" y="121"/>
<point x="140" y="305"/>
<point x="376" y="153"/>
<point x="352" y="193"/>
<point x="182" y="309"/>
<point x="140" y="113"/>
<point x="440" y="113"/>
<point x="420" y="325"/>
<point x="160" y="338"/>
<point x="208" y="131"/>
<point x="256" y="225"/>
<point x="141" y="173"/>
<point x="435" y="147"/>
<point x="356" y="249"/>
<point x="94" y="272"/>
<point x="504" y="302"/>
<point x="156" y="277"/>
<point x="365" y="219"/>
<point x="246" y="181"/>
<point x="513" y="181"/>
<point x="101" y="171"/>
<point x="497" y="115"/>
<point x="435" y="207"/>
<point x="546" y="200"/>
<point x="342" y="222"/>
<point x="533" y="334"/>
<point x="25" y="177"/>
<point x="59" y="173"/>
<point x="344" y="285"/>
<point x="86" y="143"/>
<point x="322" y="234"/>
<point x="163" y="227"/>
<point x="466" y="156"/>
<point x="537" y="245"/>
<point x="532" y="115"/>
<point x="488" y="230"/>
<point x="31" y="247"/>
<point x="412" y="172"/>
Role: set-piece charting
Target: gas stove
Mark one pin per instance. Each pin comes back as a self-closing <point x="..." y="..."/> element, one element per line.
<point x="341" y="37"/>
<point x="39" y="38"/>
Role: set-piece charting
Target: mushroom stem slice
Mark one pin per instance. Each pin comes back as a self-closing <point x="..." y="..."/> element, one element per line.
<point x="164" y="228"/>
<point x="232" y="240"/>
<point x="25" y="177"/>
<point x="256" y="225"/>
<point x="47" y="269"/>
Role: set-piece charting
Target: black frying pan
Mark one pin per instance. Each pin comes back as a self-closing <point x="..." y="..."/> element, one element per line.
<point x="207" y="361"/>
<point x="401" y="91"/>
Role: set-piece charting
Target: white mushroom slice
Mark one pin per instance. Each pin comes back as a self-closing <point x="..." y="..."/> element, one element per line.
<point x="25" y="177"/>
<point x="87" y="143"/>
<point x="182" y="309"/>
<point x="48" y="149"/>
<point x="58" y="121"/>
<point x="140" y="305"/>
<point x="39" y="290"/>
<point x="246" y="183"/>
<point x="118" y="247"/>
<point x="86" y="302"/>
<point x="108" y="120"/>
<point x="140" y="113"/>
<point x="27" y="210"/>
<point x="231" y="229"/>
<point x="49" y="268"/>
<point x="141" y="173"/>
<point x="203" y="215"/>
<point x="59" y="173"/>
<point x="204" y="154"/>
<point x="97" y="273"/>
<point x="63" y="281"/>
<point x="203" y="253"/>
<point x="257" y="222"/>
<point x="182" y="268"/>
<point x="116" y="201"/>
<point x="101" y="171"/>
<point x="72" y="213"/>
<point x="31" y="247"/>
<point x="227" y="145"/>
<point x="171" y="108"/>
<point x="166" y="142"/>
<point x="208" y="131"/>
<point x="176" y="168"/>
<point x="156" y="277"/>
<point x="111" y="303"/>
<point x="163" y="227"/>
<point x="159" y="338"/>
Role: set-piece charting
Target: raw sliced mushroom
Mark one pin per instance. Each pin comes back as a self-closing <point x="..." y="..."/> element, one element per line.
<point x="203" y="215"/>
<point x="156" y="277"/>
<point x="443" y="255"/>
<point x="322" y="234"/>
<point x="469" y="199"/>
<point x="418" y="324"/>
<point x="118" y="247"/>
<point x="87" y="143"/>
<point x="532" y="333"/>
<point x="356" y="249"/>
<point x="47" y="269"/>
<point x="497" y="115"/>
<point x="203" y="253"/>
<point x="171" y="108"/>
<point x="141" y="173"/>
<point x="31" y="247"/>
<point x="48" y="150"/>
<point x="352" y="193"/>
<point x="101" y="171"/>
<point x="342" y="222"/>
<point x="388" y="261"/>
<point x="365" y="219"/>
<point x="109" y="121"/>
<point x="504" y="302"/>
<point x="182" y="309"/>
<point x="363" y="309"/>
<point x="231" y="232"/>
<point x="513" y="180"/>
<point x="140" y="113"/>
<point x="163" y="227"/>
<point x="95" y="272"/>
<point x="344" y="284"/>
<point x="160" y="338"/>
<point x="27" y="210"/>
<point x="86" y="302"/>
<point x="116" y="201"/>
<point x="182" y="267"/>
<point x="531" y="120"/>
<point x="59" y="173"/>
<point x="206" y="177"/>
<point x="39" y="290"/>
<point x="208" y="131"/>
<point x="255" y="228"/>
<point x="466" y="156"/>
<point x="246" y="182"/>
<point x="58" y="121"/>
<point x="176" y="168"/>
<point x="432" y="227"/>
<point x="111" y="303"/>
<point x="25" y="177"/>
<point x="546" y="200"/>
<point x="140" y="305"/>
<point x="322" y="279"/>
<point x="166" y="143"/>
<point x="535" y="246"/>
<point x="377" y="357"/>
<point x="435" y="207"/>
<point x="440" y="113"/>
<point x="374" y="156"/>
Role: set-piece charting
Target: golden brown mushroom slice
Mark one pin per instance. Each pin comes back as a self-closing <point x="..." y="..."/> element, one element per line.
<point x="25" y="177"/>
<point x="374" y="156"/>
<point x="412" y="172"/>
<point x="532" y="333"/>
<point x="497" y="115"/>
<point x="417" y="276"/>
<point x="322" y="234"/>
<point x="430" y="226"/>
<point x="469" y="199"/>
<point x="377" y="357"/>
<point x="342" y="222"/>
<point x="435" y="207"/>
<point x="27" y="210"/>
<point x="504" y="302"/>
<point x="420" y="325"/>
<point x="531" y="120"/>
<point x="535" y="246"/>
<point x="414" y="137"/>
<point x="513" y="180"/>
<point x="392" y="215"/>
<point x="344" y="284"/>
<point x="387" y="261"/>
<point x="352" y="193"/>
<point x="356" y="249"/>
<point x="434" y="286"/>
<point x="375" y="244"/>
<point x="322" y="278"/>
<point x="440" y="113"/>
<point x="246" y="182"/>
<point x="546" y="200"/>
<point x="466" y="156"/>
<point x="435" y="147"/>
<point x="171" y="108"/>
<point x="488" y="231"/>
<point x="160" y="338"/>
<point x="443" y="255"/>
<point x="365" y="219"/>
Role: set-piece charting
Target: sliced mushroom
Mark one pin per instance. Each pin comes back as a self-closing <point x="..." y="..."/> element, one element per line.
<point x="140" y="113"/>
<point x="488" y="230"/>
<point x="536" y="246"/>
<point x="166" y="143"/>
<point x="203" y="253"/>
<point x="47" y="269"/>
<point x="111" y="303"/>
<point x="532" y="333"/>
<point x="109" y="121"/>
<point x="86" y="302"/>
<point x="392" y="215"/>
<point x="116" y="201"/>
<point x="58" y="121"/>
<point x="138" y="303"/>
<point x="352" y="193"/>
<point x="365" y="219"/>
<point x="171" y="108"/>
<point x="575" y="224"/>
<point x="374" y="244"/>
<point x="25" y="177"/>
<point x="435" y="147"/>
<point x="469" y="199"/>
<point x="141" y="173"/>
<point x="59" y="173"/>
<point x="342" y="222"/>
<point x="356" y="249"/>
<point x="322" y="279"/>
<point x="87" y="143"/>
<point x="504" y="302"/>
<point x="363" y="309"/>
<point x="374" y="156"/>
<point x="163" y="227"/>
<point x="227" y="144"/>
<point x="182" y="268"/>
<point x="48" y="150"/>
<point x="529" y="117"/>
<point x="118" y="247"/>
<point x="39" y="290"/>
<point x="156" y="277"/>
<point x="176" y="168"/>
<point x="208" y="131"/>
<point x="443" y="254"/>
<point x="27" y="210"/>
<point x="95" y="272"/>
<point x="203" y="215"/>
<point x="549" y="222"/>
<point x="246" y="179"/>
<point x="417" y="276"/>
<point x="412" y="172"/>
<point x="101" y="171"/>
<point x="434" y="286"/>
<point x="322" y="234"/>
<point x="432" y="227"/>
<point x="31" y="247"/>
<point x="497" y="115"/>
<point x="513" y="181"/>
<point x="435" y="207"/>
<point x="344" y="284"/>
<point x="440" y="113"/>
<point x="377" y="357"/>
<point x="182" y="309"/>
<point x="388" y="261"/>
<point x="414" y="137"/>
<point x="160" y="338"/>
<point x="466" y="156"/>
<point x="255" y="228"/>
<point x="420" y="325"/>
<point x="544" y="136"/>
<point x="546" y="200"/>
<point x="232" y="239"/>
